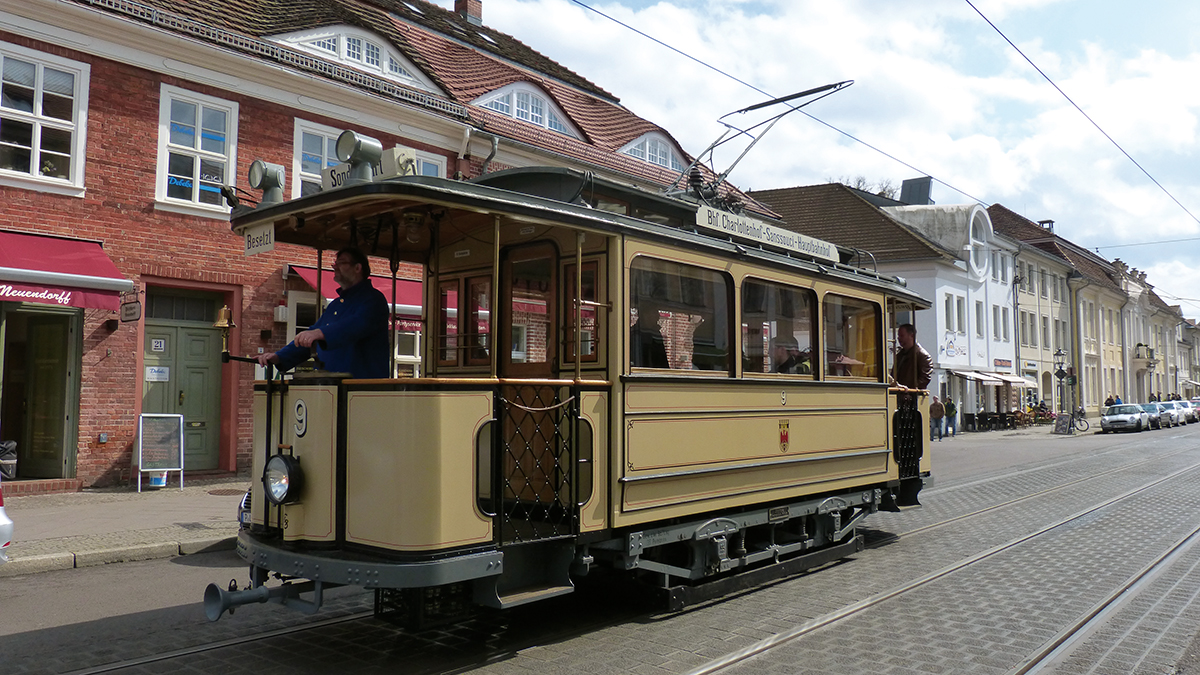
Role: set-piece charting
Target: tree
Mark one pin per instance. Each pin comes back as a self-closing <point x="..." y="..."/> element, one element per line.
<point x="882" y="187"/>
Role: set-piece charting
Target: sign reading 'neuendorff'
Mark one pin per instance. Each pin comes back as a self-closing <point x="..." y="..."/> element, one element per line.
<point x="761" y="232"/>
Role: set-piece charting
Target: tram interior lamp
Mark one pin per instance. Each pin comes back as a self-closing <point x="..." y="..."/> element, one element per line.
<point x="362" y="152"/>
<point x="269" y="178"/>
<point x="224" y="322"/>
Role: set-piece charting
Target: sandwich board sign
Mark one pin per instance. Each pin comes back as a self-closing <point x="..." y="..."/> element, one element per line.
<point x="160" y="448"/>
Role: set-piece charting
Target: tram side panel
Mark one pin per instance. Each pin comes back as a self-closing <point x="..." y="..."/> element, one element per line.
<point x="693" y="448"/>
<point x="412" y="469"/>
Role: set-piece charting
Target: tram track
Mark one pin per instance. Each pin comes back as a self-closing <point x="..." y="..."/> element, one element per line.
<point x="461" y="661"/>
<point x="766" y="645"/>
<point x="1018" y="500"/>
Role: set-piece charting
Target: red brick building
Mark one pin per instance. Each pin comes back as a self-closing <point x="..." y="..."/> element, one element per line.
<point x="120" y="122"/>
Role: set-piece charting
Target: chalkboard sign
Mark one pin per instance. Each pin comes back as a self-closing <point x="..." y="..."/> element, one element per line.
<point x="160" y="442"/>
<point x="1062" y="424"/>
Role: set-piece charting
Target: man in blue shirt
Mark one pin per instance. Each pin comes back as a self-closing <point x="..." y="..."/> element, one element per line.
<point x="354" y="327"/>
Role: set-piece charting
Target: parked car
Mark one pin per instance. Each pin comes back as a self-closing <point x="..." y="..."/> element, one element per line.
<point x="1124" y="417"/>
<point x="6" y="527"/>
<point x="1156" y="412"/>
<point x="1189" y="410"/>
<point x="1178" y="416"/>
<point x="1169" y="415"/>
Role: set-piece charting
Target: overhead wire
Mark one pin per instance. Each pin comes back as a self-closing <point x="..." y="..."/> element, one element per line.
<point x="892" y="157"/>
<point x="1081" y="112"/>
<point x="766" y="93"/>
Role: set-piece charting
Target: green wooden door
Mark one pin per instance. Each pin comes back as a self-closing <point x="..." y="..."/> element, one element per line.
<point x="47" y="418"/>
<point x="183" y="376"/>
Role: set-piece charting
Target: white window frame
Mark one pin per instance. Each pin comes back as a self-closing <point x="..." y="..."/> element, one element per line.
<point x="654" y="143"/>
<point x="425" y="160"/>
<point x="995" y="322"/>
<point x="301" y="127"/>
<point x="960" y="305"/>
<point x="949" y="313"/>
<point x="170" y="93"/>
<point x="505" y="101"/>
<point x="1004" y="319"/>
<point x="73" y="186"/>
<point x="980" y="323"/>
<point x="373" y="54"/>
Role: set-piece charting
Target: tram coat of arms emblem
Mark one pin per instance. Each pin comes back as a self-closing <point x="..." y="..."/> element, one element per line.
<point x="783" y="435"/>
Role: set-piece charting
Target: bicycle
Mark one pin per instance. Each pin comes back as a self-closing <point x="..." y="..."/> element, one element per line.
<point x="1079" y="419"/>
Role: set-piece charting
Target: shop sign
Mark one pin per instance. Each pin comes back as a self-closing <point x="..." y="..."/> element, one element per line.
<point x="1002" y="363"/>
<point x="131" y="311"/>
<point x="1030" y="365"/>
<point x="158" y="373"/>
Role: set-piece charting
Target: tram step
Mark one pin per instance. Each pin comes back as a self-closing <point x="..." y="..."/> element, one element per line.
<point x="521" y="596"/>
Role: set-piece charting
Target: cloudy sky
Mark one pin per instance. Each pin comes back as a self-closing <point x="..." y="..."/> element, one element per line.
<point x="935" y="87"/>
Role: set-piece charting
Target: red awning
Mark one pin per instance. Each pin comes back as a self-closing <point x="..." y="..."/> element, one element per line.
<point x="408" y="293"/>
<point x="58" y="271"/>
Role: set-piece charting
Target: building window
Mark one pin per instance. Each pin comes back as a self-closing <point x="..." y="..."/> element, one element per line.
<point x="359" y="49"/>
<point x="527" y="103"/>
<point x="961" y="307"/>
<point x="1024" y="329"/>
<point x="995" y="266"/>
<point x="655" y="150"/>
<point x="1003" y="268"/>
<point x="979" y="323"/>
<point x="949" y="315"/>
<point x="314" y="150"/>
<point x="1045" y="284"/>
<point x="1033" y="330"/>
<point x="996" y="322"/>
<point x="1045" y="331"/>
<point x="43" y="111"/>
<point x="1004" y="320"/>
<point x="197" y="145"/>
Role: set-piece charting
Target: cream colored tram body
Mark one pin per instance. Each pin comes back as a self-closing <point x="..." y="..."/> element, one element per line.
<point x="599" y="390"/>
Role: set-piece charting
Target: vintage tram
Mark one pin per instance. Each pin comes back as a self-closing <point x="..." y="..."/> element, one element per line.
<point x="600" y="386"/>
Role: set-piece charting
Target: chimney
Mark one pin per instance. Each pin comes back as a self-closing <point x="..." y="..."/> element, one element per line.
<point x="471" y="10"/>
<point x="1048" y="225"/>
<point x="915" y="191"/>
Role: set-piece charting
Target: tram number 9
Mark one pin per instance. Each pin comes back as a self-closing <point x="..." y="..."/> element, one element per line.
<point x="301" y="426"/>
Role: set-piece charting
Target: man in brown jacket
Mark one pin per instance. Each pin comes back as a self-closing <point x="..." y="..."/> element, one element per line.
<point x="936" y="412"/>
<point x="913" y="367"/>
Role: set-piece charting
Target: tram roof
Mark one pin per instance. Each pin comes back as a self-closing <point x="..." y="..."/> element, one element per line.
<point x="376" y="209"/>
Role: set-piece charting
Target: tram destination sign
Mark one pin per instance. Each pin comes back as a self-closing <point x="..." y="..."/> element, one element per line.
<point x="762" y="232"/>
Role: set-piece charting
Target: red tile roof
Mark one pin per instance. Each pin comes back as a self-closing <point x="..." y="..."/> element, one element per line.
<point x="465" y="61"/>
<point x="837" y="214"/>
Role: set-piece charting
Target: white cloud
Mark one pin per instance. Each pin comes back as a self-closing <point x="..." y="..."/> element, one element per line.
<point x="936" y="88"/>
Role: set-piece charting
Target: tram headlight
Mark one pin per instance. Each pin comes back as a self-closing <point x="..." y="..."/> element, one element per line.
<point x="283" y="479"/>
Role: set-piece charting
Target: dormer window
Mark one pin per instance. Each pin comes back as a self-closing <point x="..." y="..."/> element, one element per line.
<point x="359" y="49"/>
<point x="526" y="102"/>
<point x="656" y="149"/>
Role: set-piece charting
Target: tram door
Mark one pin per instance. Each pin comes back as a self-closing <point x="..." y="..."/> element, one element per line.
<point x="536" y="429"/>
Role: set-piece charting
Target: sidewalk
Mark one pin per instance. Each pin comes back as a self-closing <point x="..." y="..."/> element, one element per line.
<point x="96" y="527"/>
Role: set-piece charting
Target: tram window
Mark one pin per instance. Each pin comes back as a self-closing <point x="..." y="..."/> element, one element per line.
<point x="448" y="323"/>
<point x="588" y="332"/>
<point x="479" y="296"/>
<point x="777" y="328"/>
<point x="679" y="316"/>
<point x="851" y="337"/>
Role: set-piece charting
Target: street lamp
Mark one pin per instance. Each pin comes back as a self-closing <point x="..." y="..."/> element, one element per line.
<point x="1060" y="361"/>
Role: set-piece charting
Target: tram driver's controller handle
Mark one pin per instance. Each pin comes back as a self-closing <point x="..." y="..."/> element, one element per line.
<point x="316" y="359"/>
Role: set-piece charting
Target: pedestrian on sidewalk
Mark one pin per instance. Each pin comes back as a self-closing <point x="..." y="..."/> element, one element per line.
<point x="937" y="411"/>
<point x="951" y="417"/>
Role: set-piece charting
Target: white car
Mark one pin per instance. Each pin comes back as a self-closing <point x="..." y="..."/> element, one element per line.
<point x="1124" y="417"/>
<point x="1189" y="409"/>
<point x="1178" y="413"/>
<point x="6" y="528"/>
